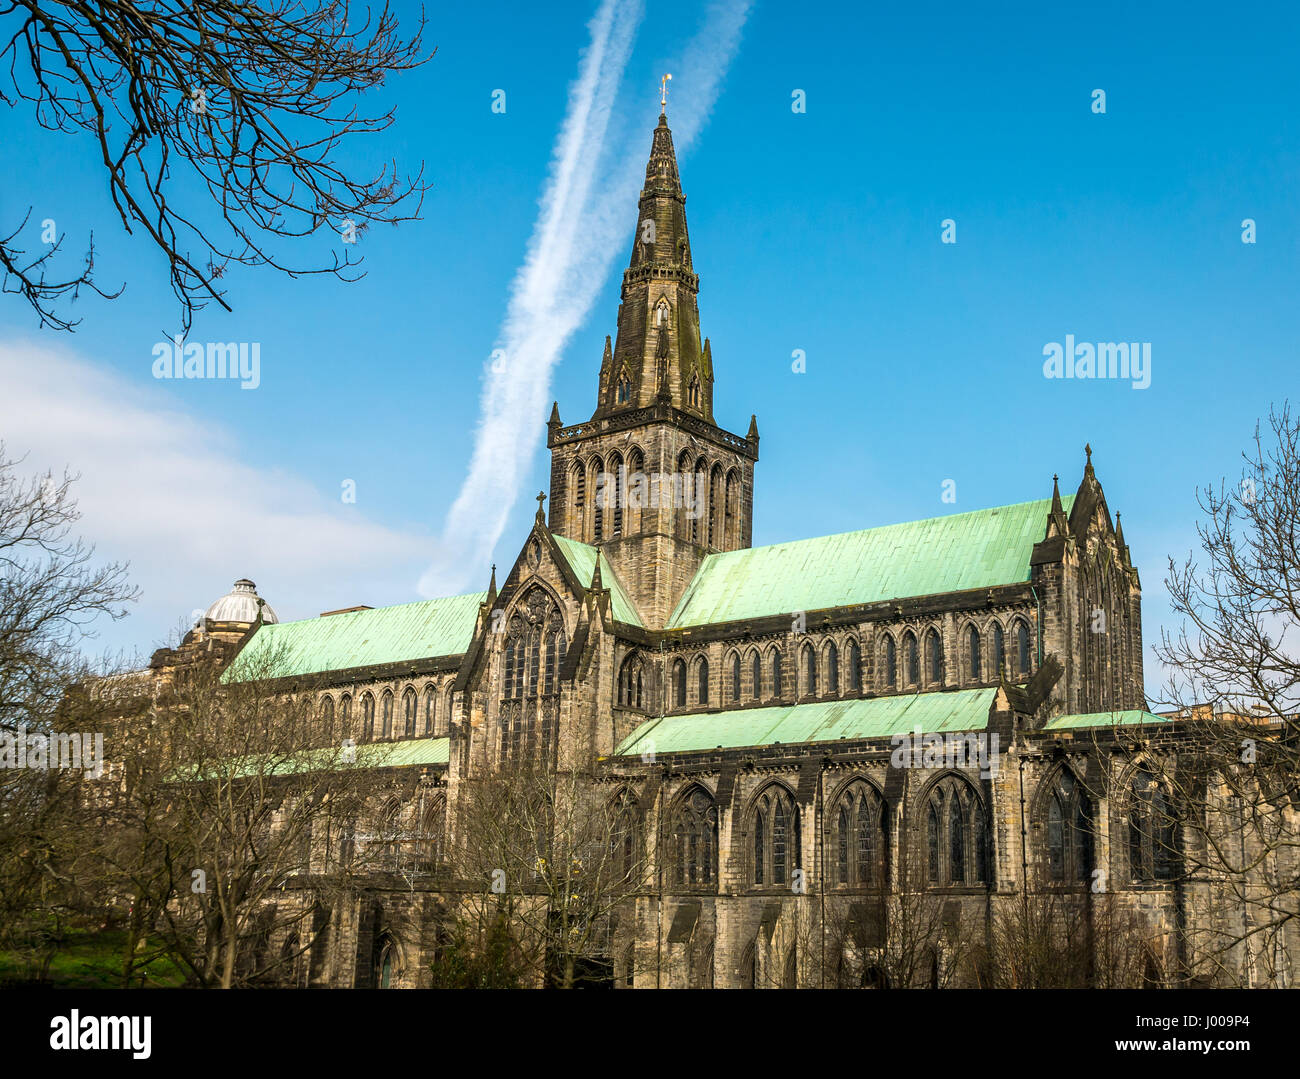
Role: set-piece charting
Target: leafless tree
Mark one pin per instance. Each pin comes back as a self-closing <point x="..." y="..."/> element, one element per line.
<point x="252" y="101"/>
<point x="1233" y="676"/>
<point x="51" y="590"/>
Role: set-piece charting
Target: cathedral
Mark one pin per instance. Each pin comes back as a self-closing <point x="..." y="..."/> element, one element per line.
<point x="815" y="745"/>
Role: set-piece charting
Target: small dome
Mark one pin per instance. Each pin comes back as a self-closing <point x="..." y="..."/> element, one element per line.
<point x="240" y="605"/>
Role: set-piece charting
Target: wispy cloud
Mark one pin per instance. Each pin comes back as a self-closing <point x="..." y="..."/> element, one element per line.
<point x="577" y="234"/>
<point x="173" y="495"/>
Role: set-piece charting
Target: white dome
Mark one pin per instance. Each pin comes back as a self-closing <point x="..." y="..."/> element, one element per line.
<point x="240" y="605"/>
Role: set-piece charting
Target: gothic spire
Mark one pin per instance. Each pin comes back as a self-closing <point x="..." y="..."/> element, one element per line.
<point x="658" y="350"/>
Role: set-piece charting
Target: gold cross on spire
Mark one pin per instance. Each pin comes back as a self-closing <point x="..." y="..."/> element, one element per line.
<point x="663" y="93"/>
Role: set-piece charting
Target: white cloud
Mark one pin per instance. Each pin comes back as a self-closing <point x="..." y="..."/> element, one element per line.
<point x="586" y="210"/>
<point x="173" y="495"/>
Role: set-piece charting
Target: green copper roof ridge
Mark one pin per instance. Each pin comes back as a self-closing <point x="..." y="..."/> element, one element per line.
<point x="894" y="524"/>
<point x="344" y="614"/>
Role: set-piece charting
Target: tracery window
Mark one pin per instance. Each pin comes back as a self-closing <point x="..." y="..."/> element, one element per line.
<point x="776" y="837"/>
<point x="913" y="658"/>
<point x="999" y="651"/>
<point x="679" y="683"/>
<point x="1069" y="831"/>
<point x="1153" y="854"/>
<point x="430" y="710"/>
<point x="624" y="834"/>
<point x="388" y="714"/>
<point x="859" y="843"/>
<point x="1022" y="648"/>
<point x="956" y="835"/>
<point x="756" y="673"/>
<point x="693" y="839"/>
<point x="345" y="715"/>
<point x="702" y="678"/>
<point x="809" y="671"/>
<point x="776" y="673"/>
<point x="735" y="676"/>
<point x="973" y="648"/>
<point x="934" y="656"/>
<point x="528" y="708"/>
<point x="891" y="663"/>
<point x="631" y="683"/>
<point x="327" y="716"/>
<point x="408" y="713"/>
<point x="855" y="667"/>
<point x="832" y="669"/>
<point x="368" y="716"/>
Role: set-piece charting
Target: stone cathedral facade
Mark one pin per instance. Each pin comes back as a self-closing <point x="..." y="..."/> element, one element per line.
<point x="766" y="718"/>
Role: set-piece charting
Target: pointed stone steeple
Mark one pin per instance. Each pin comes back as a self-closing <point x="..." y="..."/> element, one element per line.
<point x="658" y="352"/>
<point x="1057" y="523"/>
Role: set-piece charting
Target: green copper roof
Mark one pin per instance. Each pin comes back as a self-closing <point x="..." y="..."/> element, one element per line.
<point x="408" y="631"/>
<point x="404" y="754"/>
<point x="582" y="560"/>
<point x="826" y="721"/>
<point x="920" y="558"/>
<point x="1129" y="718"/>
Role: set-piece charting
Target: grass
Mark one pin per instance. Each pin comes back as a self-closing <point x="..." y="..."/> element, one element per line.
<point x="89" y="960"/>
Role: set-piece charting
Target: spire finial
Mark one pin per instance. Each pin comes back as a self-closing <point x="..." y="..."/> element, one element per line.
<point x="663" y="93"/>
<point x="1087" y="448"/>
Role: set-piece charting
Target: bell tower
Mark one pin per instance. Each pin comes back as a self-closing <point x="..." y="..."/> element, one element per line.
<point x="650" y="477"/>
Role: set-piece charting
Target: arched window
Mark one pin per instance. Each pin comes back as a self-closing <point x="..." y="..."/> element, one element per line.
<point x="1022" y="648"/>
<point x="702" y="679"/>
<point x="1153" y="854"/>
<point x="912" y="657"/>
<point x="729" y="535"/>
<point x="934" y="656"/>
<point x="699" y="498"/>
<point x="385" y="963"/>
<point x="615" y="481"/>
<point x="832" y="668"/>
<point x="693" y="394"/>
<point x="808" y="661"/>
<point x="388" y="714"/>
<point x="631" y="683"/>
<point x="679" y="683"/>
<point x="578" y="485"/>
<point x="735" y="676"/>
<point x="999" y="651"/>
<point x="555" y="646"/>
<point x="368" y="716"/>
<point x="756" y="673"/>
<point x="430" y="710"/>
<point x="693" y="839"/>
<point x="1069" y="831"/>
<point x="776" y="673"/>
<point x="600" y="481"/>
<point x="408" y="713"/>
<point x="956" y="839"/>
<point x="687" y="515"/>
<point x="973" y="649"/>
<point x="855" y="667"/>
<point x="448" y="703"/>
<point x="637" y="491"/>
<point x="775" y="827"/>
<point x="433" y="823"/>
<point x="859" y="842"/>
<point x="534" y="659"/>
<point x="624" y="388"/>
<point x="891" y="663"/>
<point x="327" y="716"/>
<point x="624" y="835"/>
<point x="715" y="507"/>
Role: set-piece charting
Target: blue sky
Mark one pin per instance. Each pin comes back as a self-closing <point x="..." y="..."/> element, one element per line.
<point x="817" y="231"/>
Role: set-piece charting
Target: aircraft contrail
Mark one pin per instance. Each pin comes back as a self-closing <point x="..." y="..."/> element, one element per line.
<point x="574" y="241"/>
